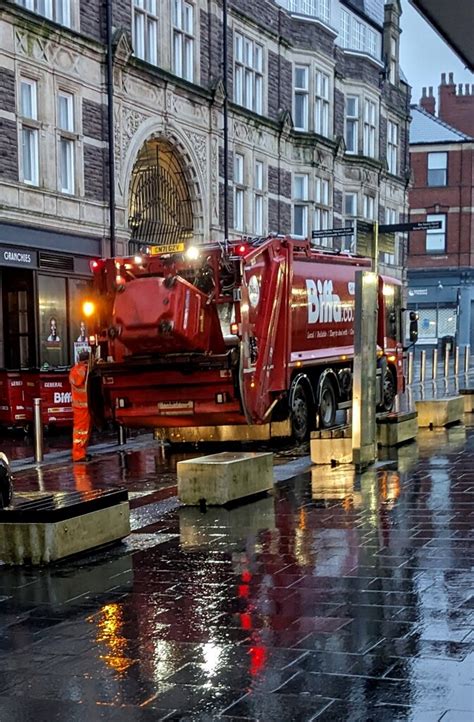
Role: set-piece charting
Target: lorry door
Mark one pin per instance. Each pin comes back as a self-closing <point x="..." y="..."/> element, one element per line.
<point x="264" y="331"/>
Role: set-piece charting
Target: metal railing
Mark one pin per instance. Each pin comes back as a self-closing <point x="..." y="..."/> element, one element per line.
<point x="451" y="365"/>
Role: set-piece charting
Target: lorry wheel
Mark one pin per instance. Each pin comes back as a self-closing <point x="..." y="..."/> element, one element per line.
<point x="327" y="405"/>
<point x="300" y="410"/>
<point x="388" y="392"/>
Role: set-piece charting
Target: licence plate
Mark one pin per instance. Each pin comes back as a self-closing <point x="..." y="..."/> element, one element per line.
<point x="171" y="248"/>
<point x="169" y="408"/>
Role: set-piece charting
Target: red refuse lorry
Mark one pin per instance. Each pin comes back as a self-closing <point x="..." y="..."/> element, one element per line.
<point x="249" y="339"/>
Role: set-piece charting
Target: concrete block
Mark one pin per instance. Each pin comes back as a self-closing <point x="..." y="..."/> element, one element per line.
<point x="41" y="543"/>
<point x="440" y="412"/>
<point x="468" y="396"/>
<point x="221" y="478"/>
<point x="396" y="428"/>
<point x="330" y="446"/>
<point x="198" y="530"/>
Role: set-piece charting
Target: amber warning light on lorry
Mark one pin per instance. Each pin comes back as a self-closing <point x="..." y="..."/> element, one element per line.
<point x="88" y="308"/>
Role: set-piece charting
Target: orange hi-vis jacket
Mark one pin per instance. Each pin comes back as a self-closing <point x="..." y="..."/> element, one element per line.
<point x="82" y="420"/>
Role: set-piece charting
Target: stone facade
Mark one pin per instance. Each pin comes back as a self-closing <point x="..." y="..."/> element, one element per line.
<point x="151" y="102"/>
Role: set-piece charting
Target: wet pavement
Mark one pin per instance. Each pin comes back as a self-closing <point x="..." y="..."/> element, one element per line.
<point x="339" y="597"/>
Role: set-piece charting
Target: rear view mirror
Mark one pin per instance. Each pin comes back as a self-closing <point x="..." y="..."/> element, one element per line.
<point x="413" y="327"/>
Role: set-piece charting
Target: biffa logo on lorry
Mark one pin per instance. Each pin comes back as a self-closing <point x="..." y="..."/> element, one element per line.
<point x="64" y="397"/>
<point x="325" y="306"/>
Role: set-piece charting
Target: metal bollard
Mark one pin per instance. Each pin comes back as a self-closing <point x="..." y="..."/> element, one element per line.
<point x="122" y="435"/>
<point x="38" y="430"/>
<point x="467" y="353"/>
<point x="456" y="361"/>
<point x="410" y="369"/>
<point x="434" y="369"/>
<point x="446" y="361"/>
<point x="423" y="366"/>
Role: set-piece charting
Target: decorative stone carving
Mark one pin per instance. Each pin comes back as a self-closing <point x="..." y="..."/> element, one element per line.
<point x="123" y="46"/>
<point x="48" y="52"/>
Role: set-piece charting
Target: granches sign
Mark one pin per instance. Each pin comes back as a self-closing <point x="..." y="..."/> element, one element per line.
<point x="22" y="257"/>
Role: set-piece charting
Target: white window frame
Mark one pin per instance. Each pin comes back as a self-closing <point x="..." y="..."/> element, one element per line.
<point x="352" y="123"/>
<point x="369" y="207"/>
<point x="370" y="128"/>
<point x="434" y="236"/>
<point x="248" y="73"/>
<point x="322" y="210"/>
<point x="391" y="216"/>
<point x="392" y="147"/>
<point x="183" y="39"/>
<point x="352" y="212"/>
<point x="302" y="92"/>
<point x="300" y="203"/>
<point x="239" y="192"/>
<point x="258" y="203"/>
<point x="57" y="10"/>
<point x="145" y="30"/>
<point x="321" y="107"/>
<point x="66" y="144"/>
<point x="433" y="160"/>
<point x="29" y="133"/>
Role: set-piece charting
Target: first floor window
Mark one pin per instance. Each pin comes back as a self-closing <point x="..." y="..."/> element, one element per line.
<point x="437" y="169"/>
<point x="436" y="237"/>
<point x="248" y="73"/>
<point x="301" y="97"/>
<point x="183" y="39"/>
<point x="258" y="199"/>
<point x="57" y="10"/>
<point x="239" y="192"/>
<point x="352" y="124"/>
<point x="369" y="207"/>
<point x="391" y="217"/>
<point x="369" y="128"/>
<point x="300" y="206"/>
<point x="66" y="165"/>
<point x="350" y="205"/>
<point x="322" y="104"/>
<point x="145" y="30"/>
<point x="29" y="156"/>
<point x="392" y="147"/>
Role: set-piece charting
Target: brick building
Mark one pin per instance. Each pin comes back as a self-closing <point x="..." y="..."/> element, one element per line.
<point x="441" y="263"/>
<point x="318" y="117"/>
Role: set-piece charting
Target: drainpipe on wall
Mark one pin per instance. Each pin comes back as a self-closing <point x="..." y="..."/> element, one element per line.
<point x="110" y="125"/>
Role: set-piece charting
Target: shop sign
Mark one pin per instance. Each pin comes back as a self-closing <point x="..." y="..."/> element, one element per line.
<point x="20" y="257"/>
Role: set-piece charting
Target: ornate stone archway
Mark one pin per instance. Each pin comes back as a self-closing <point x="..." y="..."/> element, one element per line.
<point x="160" y="203"/>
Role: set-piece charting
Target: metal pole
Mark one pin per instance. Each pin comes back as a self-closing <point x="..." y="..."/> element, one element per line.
<point x="434" y="370"/>
<point x="110" y="124"/>
<point x="446" y="361"/>
<point x="467" y="353"/>
<point x="410" y="368"/>
<point x="122" y="435"/>
<point x="456" y="361"/>
<point x="38" y="430"/>
<point x="225" y="111"/>
<point x="423" y="366"/>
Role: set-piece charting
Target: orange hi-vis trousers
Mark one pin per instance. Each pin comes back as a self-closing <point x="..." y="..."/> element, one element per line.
<point x="81" y="416"/>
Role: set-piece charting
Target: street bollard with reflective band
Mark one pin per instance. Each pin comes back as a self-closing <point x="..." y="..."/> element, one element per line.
<point x="423" y="366"/>
<point x="446" y="362"/>
<point x="434" y="368"/>
<point x="410" y="368"/>
<point x="456" y="361"/>
<point x="122" y="435"/>
<point x="38" y="430"/>
<point x="467" y="353"/>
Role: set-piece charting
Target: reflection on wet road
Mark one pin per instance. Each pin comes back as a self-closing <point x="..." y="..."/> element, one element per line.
<point x="340" y="597"/>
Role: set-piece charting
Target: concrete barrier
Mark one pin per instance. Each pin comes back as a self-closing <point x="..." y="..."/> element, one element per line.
<point x="468" y="396"/>
<point x="49" y="527"/>
<point x="331" y="446"/>
<point x="222" y="478"/>
<point x="434" y="413"/>
<point x="396" y="428"/>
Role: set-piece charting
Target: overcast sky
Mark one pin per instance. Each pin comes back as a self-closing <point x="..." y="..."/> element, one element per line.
<point x="424" y="55"/>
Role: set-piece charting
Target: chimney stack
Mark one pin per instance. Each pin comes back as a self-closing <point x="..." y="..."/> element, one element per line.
<point x="456" y="108"/>
<point x="427" y="101"/>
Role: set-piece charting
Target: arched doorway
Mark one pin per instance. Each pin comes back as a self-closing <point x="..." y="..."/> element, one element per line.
<point x="160" y="205"/>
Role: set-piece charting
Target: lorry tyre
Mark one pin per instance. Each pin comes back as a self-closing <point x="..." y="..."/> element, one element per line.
<point x="300" y="413"/>
<point x="389" y="391"/>
<point x="327" y="405"/>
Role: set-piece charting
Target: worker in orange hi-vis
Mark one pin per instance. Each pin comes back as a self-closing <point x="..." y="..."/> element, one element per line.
<point x="82" y="419"/>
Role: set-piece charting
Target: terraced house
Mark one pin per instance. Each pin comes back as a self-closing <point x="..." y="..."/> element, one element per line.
<point x="112" y="119"/>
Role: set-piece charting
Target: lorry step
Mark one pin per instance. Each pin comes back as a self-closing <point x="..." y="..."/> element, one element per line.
<point x="396" y="427"/>
<point x="39" y="528"/>
<point x="435" y="413"/>
<point x="219" y="479"/>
